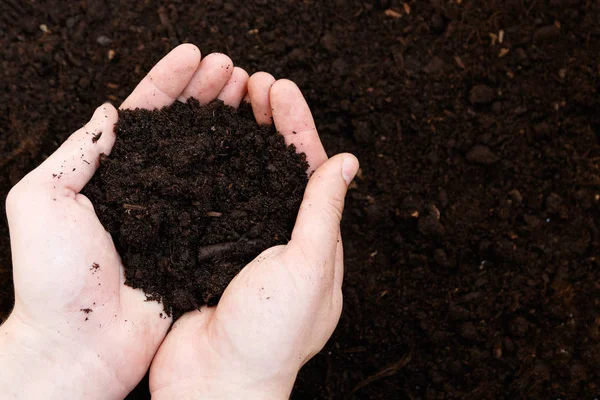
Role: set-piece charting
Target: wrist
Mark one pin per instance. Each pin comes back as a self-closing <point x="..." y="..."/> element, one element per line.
<point x="210" y="388"/>
<point x="39" y="364"/>
<point x="225" y="387"/>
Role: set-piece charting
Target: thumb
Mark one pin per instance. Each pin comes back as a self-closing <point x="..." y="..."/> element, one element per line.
<point x="74" y="163"/>
<point x="318" y="223"/>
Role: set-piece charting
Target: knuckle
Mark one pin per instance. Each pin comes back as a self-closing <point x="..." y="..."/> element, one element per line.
<point x="16" y="196"/>
<point x="334" y="208"/>
<point x="312" y="270"/>
<point x="318" y="276"/>
<point x="11" y="198"/>
<point x="318" y="271"/>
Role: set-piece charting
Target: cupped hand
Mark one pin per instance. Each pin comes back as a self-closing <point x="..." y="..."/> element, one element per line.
<point x="76" y="330"/>
<point x="280" y="310"/>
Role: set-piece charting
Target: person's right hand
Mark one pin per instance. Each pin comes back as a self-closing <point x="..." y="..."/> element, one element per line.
<point x="281" y="309"/>
<point x="77" y="331"/>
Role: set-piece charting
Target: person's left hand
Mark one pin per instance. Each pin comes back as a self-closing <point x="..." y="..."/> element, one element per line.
<point x="76" y="330"/>
<point x="281" y="309"/>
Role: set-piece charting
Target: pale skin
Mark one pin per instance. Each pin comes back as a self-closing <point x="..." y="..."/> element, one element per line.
<point x="274" y="316"/>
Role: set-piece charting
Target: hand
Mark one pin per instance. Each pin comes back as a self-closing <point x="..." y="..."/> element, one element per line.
<point x="280" y="310"/>
<point x="76" y="330"/>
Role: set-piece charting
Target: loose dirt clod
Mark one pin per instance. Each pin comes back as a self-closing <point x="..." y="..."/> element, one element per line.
<point x="191" y="194"/>
<point x="481" y="154"/>
<point x="549" y="32"/>
<point x="482" y="94"/>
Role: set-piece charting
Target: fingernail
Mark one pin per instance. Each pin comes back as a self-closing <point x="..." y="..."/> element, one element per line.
<point x="349" y="169"/>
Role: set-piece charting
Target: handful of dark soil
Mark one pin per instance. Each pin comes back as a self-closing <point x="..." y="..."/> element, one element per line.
<point x="191" y="194"/>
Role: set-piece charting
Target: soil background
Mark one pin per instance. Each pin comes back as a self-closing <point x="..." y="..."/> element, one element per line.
<point x="471" y="232"/>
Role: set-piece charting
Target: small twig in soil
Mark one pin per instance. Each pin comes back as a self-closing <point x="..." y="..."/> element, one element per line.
<point x="387" y="371"/>
<point x="219" y="249"/>
<point x="214" y="250"/>
<point x="214" y="214"/>
<point x="133" y="207"/>
<point x="468" y="40"/>
<point x="71" y="57"/>
<point x="163" y="16"/>
<point x="530" y="7"/>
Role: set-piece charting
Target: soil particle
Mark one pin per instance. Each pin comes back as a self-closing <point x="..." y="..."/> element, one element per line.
<point x="438" y="23"/>
<point x="550" y="32"/>
<point x="97" y="10"/>
<point x="104" y="40"/>
<point x="440" y="257"/>
<point x="516" y="197"/>
<point x="468" y="331"/>
<point x="482" y="94"/>
<point x="519" y="326"/>
<point x="435" y="65"/>
<point x="480" y="154"/>
<point x="429" y="225"/>
<point x="458" y="313"/>
<point x="553" y="203"/>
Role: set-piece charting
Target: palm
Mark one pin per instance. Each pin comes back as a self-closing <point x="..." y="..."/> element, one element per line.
<point x="80" y="287"/>
<point x="259" y="322"/>
<point x="258" y="311"/>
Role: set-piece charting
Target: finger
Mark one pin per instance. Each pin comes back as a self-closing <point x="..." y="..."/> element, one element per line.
<point x="74" y="163"/>
<point x="294" y="121"/>
<point x="235" y="89"/>
<point x="259" y="87"/>
<point x="167" y="79"/>
<point x="318" y="224"/>
<point x="208" y="80"/>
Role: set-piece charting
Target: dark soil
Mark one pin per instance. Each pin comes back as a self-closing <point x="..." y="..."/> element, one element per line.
<point x="471" y="232"/>
<point x="191" y="194"/>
